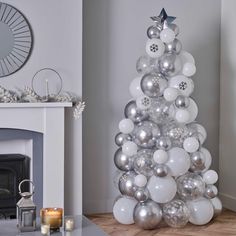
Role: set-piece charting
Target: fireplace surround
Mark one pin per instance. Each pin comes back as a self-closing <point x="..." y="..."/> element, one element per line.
<point x="46" y="119"/>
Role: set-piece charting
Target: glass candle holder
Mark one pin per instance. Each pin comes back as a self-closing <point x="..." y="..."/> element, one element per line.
<point x="52" y="217"/>
<point x="69" y="224"/>
<point x="45" y="229"/>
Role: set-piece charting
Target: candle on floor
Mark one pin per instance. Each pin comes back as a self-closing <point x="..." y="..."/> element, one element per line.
<point x="52" y="217"/>
<point x="45" y="229"/>
<point x="69" y="224"/>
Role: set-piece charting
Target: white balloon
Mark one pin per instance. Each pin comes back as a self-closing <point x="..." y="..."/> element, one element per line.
<point x="182" y="115"/>
<point x="186" y="57"/>
<point x="129" y="148"/>
<point x="143" y="102"/>
<point x="140" y="180"/>
<point x="193" y="110"/>
<point x="217" y="206"/>
<point x="201" y="211"/>
<point x="189" y="69"/>
<point x="160" y="156"/>
<point x="182" y="83"/>
<point x="208" y="158"/>
<point x="135" y="89"/>
<point x="167" y="35"/>
<point x="191" y="144"/>
<point x="210" y="177"/>
<point x="123" y="210"/>
<point x="162" y="189"/>
<point x="170" y="94"/>
<point x="126" y="126"/>
<point x="179" y="161"/>
<point x="155" y="48"/>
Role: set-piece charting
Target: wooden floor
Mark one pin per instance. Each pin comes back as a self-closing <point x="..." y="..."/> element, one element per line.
<point x="223" y="225"/>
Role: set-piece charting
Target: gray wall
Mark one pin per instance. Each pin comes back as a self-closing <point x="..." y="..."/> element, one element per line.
<point x="114" y="37"/>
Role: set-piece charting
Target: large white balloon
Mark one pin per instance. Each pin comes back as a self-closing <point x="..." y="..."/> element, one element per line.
<point x="208" y="158"/>
<point x="123" y="210"/>
<point x="201" y="211"/>
<point x="210" y="177"/>
<point x="162" y="189"/>
<point x="135" y="89"/>
<point x="182" y="116"/>
<point x="182" y="83"/>
<point x="217" y="206"/>
<point x="186" y="57"/>
<point x="155" y="48"/>
<point x="189" y="69"/>
<point x="193" y="110"/>
<point x="126" y="126"/>
<point x="178" y="162"/>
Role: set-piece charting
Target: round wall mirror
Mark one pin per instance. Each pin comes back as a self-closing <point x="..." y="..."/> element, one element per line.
<point x="15" y="39"/>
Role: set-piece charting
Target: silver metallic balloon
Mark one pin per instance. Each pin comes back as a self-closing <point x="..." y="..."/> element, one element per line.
<point x="190" y="186"/>
<point x="134" y="113"/>
<point x="182" y="101"/>
<point x="198" y="159"/>
<point x="121" y="138"/>
<point x="175" y="28"/>
<point x="161" y="170"/>
<point x="164" y="143"/>
<point x="146" y="64"/>
<point x="141" y="195"/>
<point x="122" y="161"/>
<point x="211" y="191"/>
<point x="153" y="32"/>
<point x="147" y="215"/>
<point x="170" y="64"/>
<point x="176" y="213"/>
<point x="153" y="84"/>
<point x="143" y="162"/>
<point x="146" y="133"/>
<point x="160" y="110"/>
<point x="174" y="46"/>
<point x="126" y="184"/>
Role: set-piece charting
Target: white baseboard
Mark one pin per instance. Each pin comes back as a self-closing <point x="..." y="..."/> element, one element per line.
<point x="228" y="201"/>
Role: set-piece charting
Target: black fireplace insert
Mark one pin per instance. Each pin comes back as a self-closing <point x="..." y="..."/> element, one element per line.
<point x="13" y="169"/>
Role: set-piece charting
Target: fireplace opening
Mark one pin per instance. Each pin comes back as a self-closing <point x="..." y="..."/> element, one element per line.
<point x="13" y="169"/>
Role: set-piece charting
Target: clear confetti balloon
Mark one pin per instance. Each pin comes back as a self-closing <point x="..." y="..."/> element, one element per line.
<point x="160" y="110"/>
<point x="134" y="113"/>
<point x="126" y="184"/>
<point x="176" y="213"/>
<point x="122" y="161"/>
<point x="190" y="186"/>
<point x="147" y="215"/>
<point x="143" y="162"/>
<point x="145" y="64"/>
<point x="146" y="133"/>
<point x="170" y="64"/>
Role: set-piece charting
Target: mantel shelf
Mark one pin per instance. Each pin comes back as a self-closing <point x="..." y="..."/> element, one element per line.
<point x="36" y="105"/>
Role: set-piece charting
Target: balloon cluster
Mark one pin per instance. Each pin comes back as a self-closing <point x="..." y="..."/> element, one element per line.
<point x="163" y="167"/>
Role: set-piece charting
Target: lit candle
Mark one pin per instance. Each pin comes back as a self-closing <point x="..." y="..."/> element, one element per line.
<point x="69" y="224"/>
<point x="45" y="229"/>
<point x="52" y="217"/>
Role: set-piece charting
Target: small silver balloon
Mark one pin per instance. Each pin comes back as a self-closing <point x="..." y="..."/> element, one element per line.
<point x="143" y="162"/>
<point x="175" y="28"/>
<point x="160" y="110"/>
<point x="176" y="213"/>
<point x="182" y="101"/>
<point x="211" y="191"/>
<point x="121" y="138"/>
<point x="190" y="186"/>
<point x="126" y="184"/>
<point x="198" y="159"/>
<point x="122" y="161"/>
<point x="161" y="170"/>
<point x="141" y="195"/>
<point x="134" y="113"/>
<point x="153" y="32"/>
<point x="163" y="143"/>
<point x="146" y="133"/>
<point x="153" y="84"/>
<point x="170" y="64"/>
<point x="147" y="215"/>
<point x="174" y="47"/>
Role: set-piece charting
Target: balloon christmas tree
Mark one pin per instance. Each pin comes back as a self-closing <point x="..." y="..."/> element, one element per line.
<point x="164" y="168"/>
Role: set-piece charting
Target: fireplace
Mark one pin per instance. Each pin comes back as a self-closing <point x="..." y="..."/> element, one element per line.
<point x="13" y="169"/>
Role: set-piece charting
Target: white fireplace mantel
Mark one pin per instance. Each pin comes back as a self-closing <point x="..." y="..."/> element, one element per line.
<point x="48" y="119"/>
